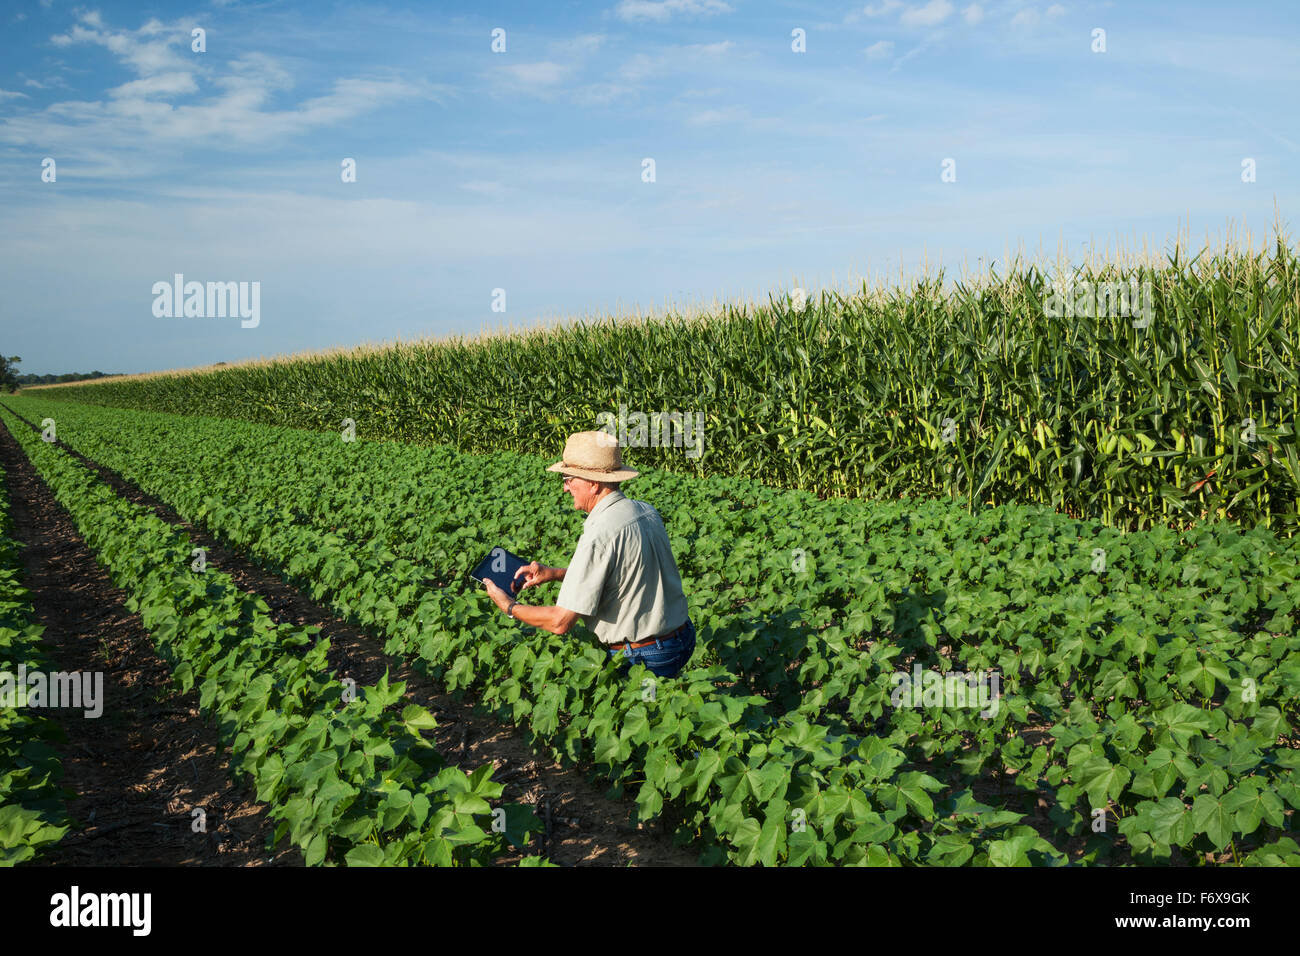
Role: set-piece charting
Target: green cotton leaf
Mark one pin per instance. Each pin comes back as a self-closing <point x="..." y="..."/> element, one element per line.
<point x="1127" y="733"/>
<point x="481" y="782"/>
<point x="316" y="849"/>
<point x="971" y="762"/>
<point x="1285" y="852"/>
<point x="705" y="771"/>
<point x="1170" y="822"/>
<point x="1213" y="819"/>
<point x="469" y="803"/>
<point x="520" y="821"/>
<point x="1101" y="780"/>
<point x="740" y="783"/>
<point x="466" y="835"/>
<point x="417" y="718"/>
<point x="649" y="801"/>
<point x="872" y="828"/>
<point x="1268" y="724"/>
<point x="608" y="750"/>
<point x="1210" y="775"/>
<point x="1239" y="758"/>
<point x="878" y="856"/>
<point x="420" y="807"/>
<point x="636" y="723"/>
<point x="745" y="839"/>
<point x="952" y="849"/>
<point x="1012" y="851"/>
<point x="334" y="790"/>
<point x="1183" y="721"/>
<point x="662" y="769"/>
<point x="1166" y="767"/>
<point x="771" y="781"/>
<point x="365" y="855"/>
<point x="913" y="786"/>
<point x="771" y="839"/>
<point x="1250" y="805"/>
<point x="804" y="846"/>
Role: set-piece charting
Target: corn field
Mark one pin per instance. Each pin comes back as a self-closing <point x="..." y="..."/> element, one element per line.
<point x="979" y="390"/>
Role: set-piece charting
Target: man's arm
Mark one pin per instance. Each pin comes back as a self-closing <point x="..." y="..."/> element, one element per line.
<point x="557" y="620"/>
<point x="554" y="619"/>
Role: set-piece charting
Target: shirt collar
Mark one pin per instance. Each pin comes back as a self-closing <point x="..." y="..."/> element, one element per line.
<point x="601" y="505"/>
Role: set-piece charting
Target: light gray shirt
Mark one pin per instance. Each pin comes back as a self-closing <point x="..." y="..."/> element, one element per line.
<point x="623" y="579"/>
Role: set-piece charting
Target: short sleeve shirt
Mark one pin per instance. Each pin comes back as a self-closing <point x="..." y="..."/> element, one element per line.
<point x="623" y="579"/>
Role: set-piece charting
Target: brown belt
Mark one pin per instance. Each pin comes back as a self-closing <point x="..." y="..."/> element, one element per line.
<point x="646" y="643"/>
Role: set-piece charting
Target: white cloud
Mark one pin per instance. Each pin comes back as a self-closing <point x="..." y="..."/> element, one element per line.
<point x="1030" y="17"/>
<point x="579" y="45"/>
<point x="137" y="116"/>
<point x="494" y="190"/>
<point x="709" y="49"/>
<point x="165" y="84"/>
<point x="46" y="83"/>
<point x="640" y="66"/>
<point x="932" y="14"/>
<point x="730" y="114"/>
<point x="973" y="14"/>
<point x="599" y="94"/>
<point x="544" y="73"/>
<point x="147" y="50"/>
<point x="882" y="8"/>
<point x="11" y="95"/>
<point x="880" y="49"/>
<point x="662" y="10"/>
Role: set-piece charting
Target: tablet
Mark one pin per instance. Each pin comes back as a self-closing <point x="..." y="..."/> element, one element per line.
<point x="499" y="567"/>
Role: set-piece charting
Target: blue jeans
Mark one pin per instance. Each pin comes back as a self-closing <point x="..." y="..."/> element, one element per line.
<point x="664" y="658"/>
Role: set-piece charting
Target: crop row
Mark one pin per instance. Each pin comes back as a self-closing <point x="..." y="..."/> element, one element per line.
<point x="32" y="811"/>
<point x="1137" y="671"/>
<point x="735" y="776"/>
<point x="346" y="776"/>
<point x="1177" y="401"/>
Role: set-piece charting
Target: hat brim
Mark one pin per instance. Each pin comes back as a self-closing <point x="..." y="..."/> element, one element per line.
<point x="623" y="474"/>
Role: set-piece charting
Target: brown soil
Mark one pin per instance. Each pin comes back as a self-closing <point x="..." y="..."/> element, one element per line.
<point x="140" y="768"/>
<point x="585" y="826"/>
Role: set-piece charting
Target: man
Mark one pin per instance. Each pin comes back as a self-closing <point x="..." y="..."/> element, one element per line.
<point x="622" y="579"/>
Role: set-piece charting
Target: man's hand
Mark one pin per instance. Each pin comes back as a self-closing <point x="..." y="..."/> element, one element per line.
<point x="499" y="597"/>
<point x="535" y="574"/>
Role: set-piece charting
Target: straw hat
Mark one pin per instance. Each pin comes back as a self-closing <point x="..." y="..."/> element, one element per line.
<point x="594" y="456"/>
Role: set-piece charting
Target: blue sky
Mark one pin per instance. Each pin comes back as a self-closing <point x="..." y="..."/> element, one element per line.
<point x="522" y="170"/>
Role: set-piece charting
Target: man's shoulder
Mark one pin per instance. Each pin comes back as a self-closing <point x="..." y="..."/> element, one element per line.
<point x="623" y="516"/>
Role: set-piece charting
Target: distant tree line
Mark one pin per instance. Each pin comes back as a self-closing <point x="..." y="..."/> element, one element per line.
<point x="30" y="378"/>
<point x="10" y="380"/>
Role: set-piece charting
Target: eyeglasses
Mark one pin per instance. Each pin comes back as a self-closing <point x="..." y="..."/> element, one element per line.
<point x="569" y="478"/>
